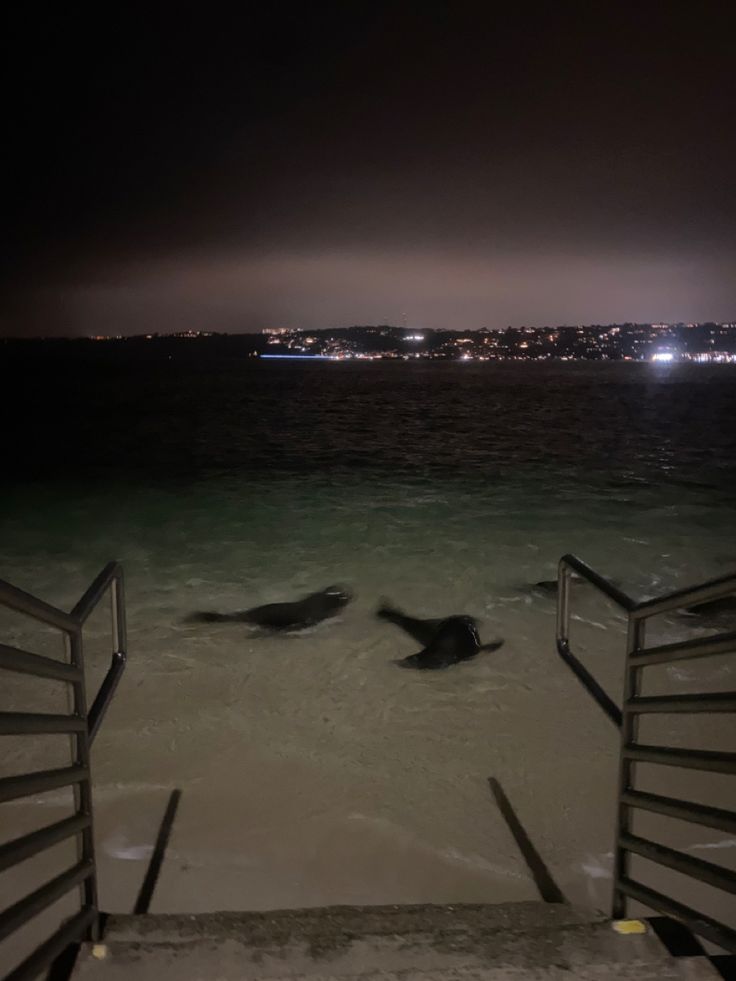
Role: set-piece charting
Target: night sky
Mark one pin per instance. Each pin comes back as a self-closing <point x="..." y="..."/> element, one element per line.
<point x="435" y="164"/>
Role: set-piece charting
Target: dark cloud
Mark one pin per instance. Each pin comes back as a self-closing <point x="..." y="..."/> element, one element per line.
<point x="355" y="162"/>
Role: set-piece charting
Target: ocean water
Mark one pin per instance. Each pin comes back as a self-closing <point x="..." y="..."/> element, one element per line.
<point x="314" y="771"/>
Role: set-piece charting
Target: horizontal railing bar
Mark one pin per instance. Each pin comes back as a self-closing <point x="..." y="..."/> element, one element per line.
<point x="714" y="875"/>
<point x="95" y="592"/>
<point x="588" y="682"/>
<point x="37" y="783"/>
<point x="35" y="723"/>
<point x="683" y="810"/>
<point x="73" y="931"/>
<point x="704" y="702"/>
<point x="692" y="759"/>
<point x="13" y="659"/>
<point x="613" y="592"/>
<point x="681" y="598"/>
<point x="22" y="602"/>
<point x="685" y="649"/>
<point x="17" y="851"/>
<point x="25" y="909"/>
<point x="700" y="924"/>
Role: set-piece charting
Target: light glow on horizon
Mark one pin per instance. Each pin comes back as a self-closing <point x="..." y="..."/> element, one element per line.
<point x="298" y="357"/>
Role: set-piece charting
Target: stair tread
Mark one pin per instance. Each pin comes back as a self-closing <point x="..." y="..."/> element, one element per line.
<point x="390" y="943"/>
<point x="355" y="920"/>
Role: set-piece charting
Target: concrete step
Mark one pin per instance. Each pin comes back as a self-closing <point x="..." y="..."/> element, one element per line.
<point x="308" y="924"/>
<point x="508" y="942"/>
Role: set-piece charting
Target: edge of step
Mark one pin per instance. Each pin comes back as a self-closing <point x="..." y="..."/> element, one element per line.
<point x="289" y="926"/>
<point x="580" y="952"/>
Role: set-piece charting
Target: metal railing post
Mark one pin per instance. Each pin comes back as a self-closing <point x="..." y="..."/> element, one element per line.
<point x="563" y="602"/>
<point x="112" y="577"/>
<point x="586" y="679"/>
<point x="629" y="730"/>
<point x="83" y="790"/>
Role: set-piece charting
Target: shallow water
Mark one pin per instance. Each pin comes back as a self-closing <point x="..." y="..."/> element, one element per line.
<point x="313" y="771"/>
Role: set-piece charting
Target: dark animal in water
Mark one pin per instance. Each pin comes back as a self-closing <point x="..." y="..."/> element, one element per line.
<point x="717" y="612"/>
<point x="297" y="615"/>
<point x="726" y="604"/>
<point x="550" y="586"/>
<point x="445" y="641"/>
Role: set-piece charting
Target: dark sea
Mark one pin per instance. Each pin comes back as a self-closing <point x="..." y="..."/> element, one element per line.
<point x="313" y="771"/>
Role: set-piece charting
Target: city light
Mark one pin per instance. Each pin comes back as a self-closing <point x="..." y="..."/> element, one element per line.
<point x="663" y="356"/>
<point x="297" y="357"/>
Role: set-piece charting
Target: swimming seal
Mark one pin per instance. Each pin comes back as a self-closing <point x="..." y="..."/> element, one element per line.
<point x="446" y="641"/>
<point x="713" y="613"/>
<point x="301" y="613"/>
<point x="550" y="586"/>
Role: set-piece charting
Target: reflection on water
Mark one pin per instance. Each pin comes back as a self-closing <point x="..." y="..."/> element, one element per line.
<point x="313" y="770"/>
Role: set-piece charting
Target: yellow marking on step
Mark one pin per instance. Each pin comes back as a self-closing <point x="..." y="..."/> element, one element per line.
<point x="629" y="926"/>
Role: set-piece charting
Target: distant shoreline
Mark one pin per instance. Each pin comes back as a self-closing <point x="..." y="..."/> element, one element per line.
<point x="710" y="343"/>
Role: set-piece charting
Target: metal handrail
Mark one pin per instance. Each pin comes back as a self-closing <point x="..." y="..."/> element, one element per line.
<point x="690" y="596"/>
<point x="632" y="752"/>
<point x="588" y="682"/>
<point x="110" y="577"/>
<point x="568" y="564"/>
<point x="82" y="725"/>
<point x="22" y="602"/>
<point x="106" y="691"/>
<point x="637" y="611"/>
